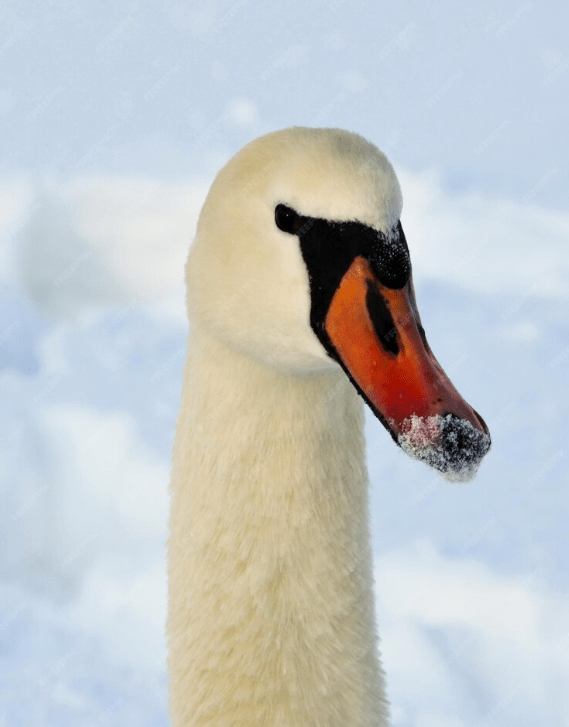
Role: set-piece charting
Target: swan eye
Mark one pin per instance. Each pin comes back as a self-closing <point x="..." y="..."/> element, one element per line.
<point x="285" y="218"/>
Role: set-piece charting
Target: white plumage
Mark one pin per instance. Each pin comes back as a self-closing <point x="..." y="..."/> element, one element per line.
<point x="271" y="614"/>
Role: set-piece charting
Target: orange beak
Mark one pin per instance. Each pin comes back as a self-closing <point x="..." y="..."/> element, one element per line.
<point x="377" y="334"/>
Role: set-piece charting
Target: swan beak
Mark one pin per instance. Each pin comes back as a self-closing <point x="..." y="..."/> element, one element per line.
<point x="377" y="335"/>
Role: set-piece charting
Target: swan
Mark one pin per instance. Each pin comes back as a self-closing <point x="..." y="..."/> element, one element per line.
<point x="302" y="308"/>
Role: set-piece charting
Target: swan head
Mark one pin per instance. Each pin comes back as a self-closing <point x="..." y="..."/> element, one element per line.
<point x="300" y="262"/>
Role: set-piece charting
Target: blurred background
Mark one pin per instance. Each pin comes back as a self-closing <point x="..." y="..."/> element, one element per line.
<point x="115" y="117"/>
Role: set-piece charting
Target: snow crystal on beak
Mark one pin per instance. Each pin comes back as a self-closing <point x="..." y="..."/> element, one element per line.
<point x="450" y="444"/>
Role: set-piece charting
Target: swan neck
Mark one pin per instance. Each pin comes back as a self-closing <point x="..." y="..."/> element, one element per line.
<point x="270" y="567"/>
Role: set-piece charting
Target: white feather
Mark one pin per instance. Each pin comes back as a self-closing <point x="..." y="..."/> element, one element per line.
<point x="271" y="616"/>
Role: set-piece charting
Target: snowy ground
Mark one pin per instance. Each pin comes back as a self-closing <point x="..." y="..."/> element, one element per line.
<point x="471" y="580"/>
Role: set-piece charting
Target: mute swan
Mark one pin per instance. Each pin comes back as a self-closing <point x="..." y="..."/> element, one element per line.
<point x="302" y="307"/>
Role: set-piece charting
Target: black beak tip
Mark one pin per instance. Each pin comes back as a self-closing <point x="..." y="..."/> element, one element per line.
<point x="456" y="452"/>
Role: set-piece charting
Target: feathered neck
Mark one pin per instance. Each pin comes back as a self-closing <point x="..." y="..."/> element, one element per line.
<point x="271" y="617"/>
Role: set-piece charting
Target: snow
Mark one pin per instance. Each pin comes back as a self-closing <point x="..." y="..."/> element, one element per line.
<point x="59" y="671"/>
<point x="485" y="648"/>
<point x="96" y="240"/>
<point x="484" y="244"/>
<point x="450" y="445"/>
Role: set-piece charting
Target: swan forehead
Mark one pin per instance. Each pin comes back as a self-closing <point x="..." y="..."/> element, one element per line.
<point x="327" y="173"/>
